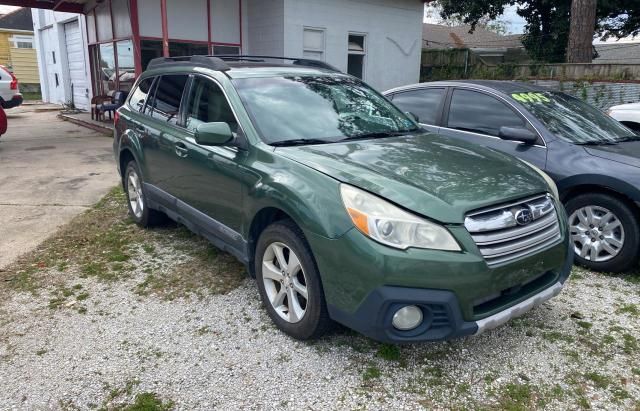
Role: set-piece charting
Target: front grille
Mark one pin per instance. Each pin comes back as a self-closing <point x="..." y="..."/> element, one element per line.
<point x="513" y="231"/>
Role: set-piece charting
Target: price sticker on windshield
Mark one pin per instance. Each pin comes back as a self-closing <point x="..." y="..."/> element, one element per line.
<point x="531" y="97"/>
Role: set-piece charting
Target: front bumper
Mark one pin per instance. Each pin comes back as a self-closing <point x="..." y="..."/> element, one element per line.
<point x="443" y="318"/>
<point x="365" y="283"/>
<point x="14" y="102"/>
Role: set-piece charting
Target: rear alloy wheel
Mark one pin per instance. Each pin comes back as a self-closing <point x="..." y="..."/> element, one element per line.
<point x="604" y="232"/>
<point x="136" y="198"/>
<point x="289" y="282"/>
<point x="134" y="193"/>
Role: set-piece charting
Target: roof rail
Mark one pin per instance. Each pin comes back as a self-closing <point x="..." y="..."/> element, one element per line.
<point x="212" y="62"/>
<point x="294" y="60"/>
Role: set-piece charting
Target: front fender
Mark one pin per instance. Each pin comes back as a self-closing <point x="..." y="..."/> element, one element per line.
<point x="310" y="198"/>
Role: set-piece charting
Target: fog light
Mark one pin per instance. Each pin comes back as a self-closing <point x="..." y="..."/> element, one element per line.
<point x="407" y="318"/>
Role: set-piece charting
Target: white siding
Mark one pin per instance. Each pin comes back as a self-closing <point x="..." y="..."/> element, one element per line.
<point x="187" y="20"/>
<point x="393" y="30"/>
<point x="225" y="21"/>
<point x="265" y="27"/>
<point x="150" y="18"/>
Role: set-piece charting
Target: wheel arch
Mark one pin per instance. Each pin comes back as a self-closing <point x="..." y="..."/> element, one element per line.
<point x="573" y="186"/>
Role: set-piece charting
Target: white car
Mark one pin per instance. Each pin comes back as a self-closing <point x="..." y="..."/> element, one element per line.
<point x="9" y="91"/>
<point x="627" y="114"/>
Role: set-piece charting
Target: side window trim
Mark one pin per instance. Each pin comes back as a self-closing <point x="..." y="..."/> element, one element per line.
<point x="241" y="135"/>
<point x="445" y="115"/>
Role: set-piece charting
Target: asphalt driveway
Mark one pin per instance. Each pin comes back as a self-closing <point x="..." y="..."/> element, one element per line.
<point x="50" y="170"/>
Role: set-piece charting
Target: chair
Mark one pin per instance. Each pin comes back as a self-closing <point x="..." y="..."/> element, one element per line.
<point x="116" y="101"/>
<point x="95" y="102"/>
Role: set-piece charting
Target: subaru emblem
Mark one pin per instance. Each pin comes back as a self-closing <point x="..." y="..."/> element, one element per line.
<point x="524" y="216"/>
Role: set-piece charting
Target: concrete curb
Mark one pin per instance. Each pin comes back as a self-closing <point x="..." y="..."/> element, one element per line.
<point x="96" y="127"/>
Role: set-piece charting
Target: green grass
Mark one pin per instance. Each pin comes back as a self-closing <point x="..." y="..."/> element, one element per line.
<point x="516" y="397"/>
<point x="389" y="352"/>
<point x="31" y="96"/>
<point x="598" y="380"/>
<point x="371" y="373"/>
<point x="630" y="309"/>
<point x="145" y="401"/>
<point x="101" y="244"/>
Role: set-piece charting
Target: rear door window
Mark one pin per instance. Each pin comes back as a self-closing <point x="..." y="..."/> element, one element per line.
<point x="424" y="103"/>
<point x="481" y="113"/>
<point x="166" y="104"/>
<point x="141" y="94"/>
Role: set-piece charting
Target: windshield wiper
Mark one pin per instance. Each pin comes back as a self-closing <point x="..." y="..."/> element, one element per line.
<point x="299" y="142"/>
<point x="381" y="134"/>
<point x="631" y="137"/>
<point x="597" y="143"/>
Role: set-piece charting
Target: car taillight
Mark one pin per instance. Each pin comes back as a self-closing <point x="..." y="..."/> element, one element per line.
<point x="14" y="82"/>
<point x="116" y="117"/>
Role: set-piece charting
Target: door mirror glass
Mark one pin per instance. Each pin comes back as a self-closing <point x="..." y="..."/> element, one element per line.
<point x="213" y="134"/>
<point x="517" y="134"/>
<point x="413" y="116"/>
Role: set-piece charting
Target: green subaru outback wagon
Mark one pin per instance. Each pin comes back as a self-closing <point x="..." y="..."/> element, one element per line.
<point x="341" y="206"/>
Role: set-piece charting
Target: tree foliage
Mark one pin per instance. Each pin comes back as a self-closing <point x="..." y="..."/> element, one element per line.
<point x="547" y="22"/>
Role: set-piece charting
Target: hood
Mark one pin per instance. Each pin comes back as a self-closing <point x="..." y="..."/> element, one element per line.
<point x="435" y="176"/>
<point x="626" y="152"/>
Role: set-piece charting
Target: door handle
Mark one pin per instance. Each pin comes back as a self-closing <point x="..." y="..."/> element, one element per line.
<point x="181" y="150"/>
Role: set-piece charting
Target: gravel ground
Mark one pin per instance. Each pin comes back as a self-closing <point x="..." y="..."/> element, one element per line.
<point x="105" y="342"/>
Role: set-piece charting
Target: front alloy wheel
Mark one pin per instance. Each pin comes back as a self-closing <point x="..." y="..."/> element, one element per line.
<point x="289" y="282"/>
<point x="597" y="233"/>
<point x="284" y="282"/>
<point x="605" y="235"/>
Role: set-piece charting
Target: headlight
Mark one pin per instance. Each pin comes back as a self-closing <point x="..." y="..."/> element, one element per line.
<point x="389" y="225"/>
<point x="552" y="185"/>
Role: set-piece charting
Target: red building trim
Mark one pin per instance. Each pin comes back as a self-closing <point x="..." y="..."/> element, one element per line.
<point x="135" y="32"/>
<point x="165" y="28"/>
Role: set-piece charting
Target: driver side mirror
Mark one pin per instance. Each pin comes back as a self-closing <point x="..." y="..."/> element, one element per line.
<point x="213" y="134"/>
<point x="518" y="134"/>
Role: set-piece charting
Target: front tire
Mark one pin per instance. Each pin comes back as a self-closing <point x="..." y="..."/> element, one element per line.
<point x="289" y="282"/>
<point x="604" y="232"/>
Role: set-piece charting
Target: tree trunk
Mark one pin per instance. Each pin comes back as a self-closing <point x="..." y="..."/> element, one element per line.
<point x="583" y="23"/>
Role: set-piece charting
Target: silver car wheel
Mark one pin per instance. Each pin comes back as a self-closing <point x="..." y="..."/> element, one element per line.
<point x="284" y="282"/>
<point x="597" y="234"/>
<point x="134" y="192"/>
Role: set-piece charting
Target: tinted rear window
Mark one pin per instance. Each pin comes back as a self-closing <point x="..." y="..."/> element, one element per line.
<point x="481" y="113"/>
<point x="166" y="103"/>
<point x="423" y="103"/>
<point x="140" y="94"/>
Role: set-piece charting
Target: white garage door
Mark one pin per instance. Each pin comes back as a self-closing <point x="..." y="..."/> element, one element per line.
<point x="77" y="65"/>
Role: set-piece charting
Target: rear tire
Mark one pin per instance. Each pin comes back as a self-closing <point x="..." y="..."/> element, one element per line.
<point x="604" y="232"/>
<point x="137" y="200"/>
<point x="286" y="272"/>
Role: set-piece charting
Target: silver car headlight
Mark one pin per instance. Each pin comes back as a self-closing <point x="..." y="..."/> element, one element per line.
<point x="392" y="226"/>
